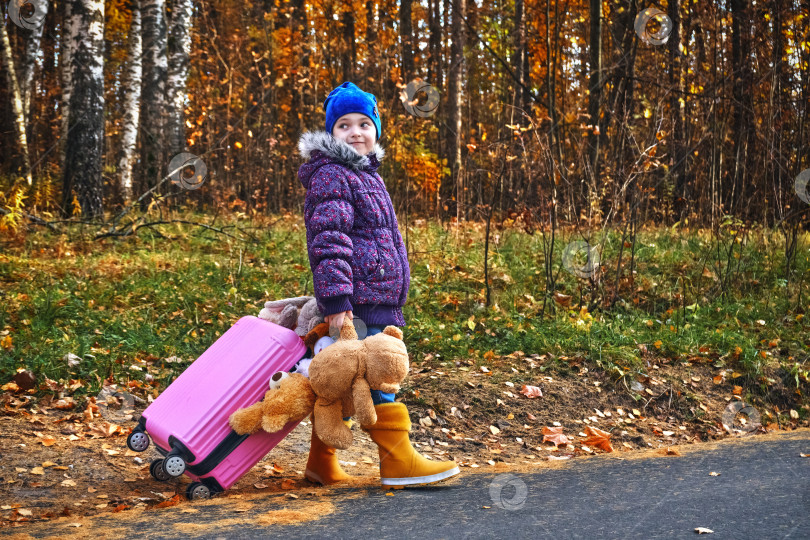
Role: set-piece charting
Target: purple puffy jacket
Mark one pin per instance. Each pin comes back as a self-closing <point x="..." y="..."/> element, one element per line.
<point x="356" y="252"/>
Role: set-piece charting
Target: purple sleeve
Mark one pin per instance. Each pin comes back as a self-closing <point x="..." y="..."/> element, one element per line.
<point x="329" y="219"/>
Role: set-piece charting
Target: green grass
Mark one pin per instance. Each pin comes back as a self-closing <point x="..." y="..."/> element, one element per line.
<point x="138" y="301"/>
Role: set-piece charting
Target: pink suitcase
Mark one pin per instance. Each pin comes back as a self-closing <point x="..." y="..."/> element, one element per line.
<point x="188" y="422"/>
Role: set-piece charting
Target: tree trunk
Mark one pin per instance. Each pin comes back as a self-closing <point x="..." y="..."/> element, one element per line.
<point x="299" y="44"/>
<point x="449" y="189"/>
<point x="435" y="45"/>
<point x="16" y="103"/>
<point x="520" y="65"/>
<point x="349" y="57"/>
<point x="32" y="48"/>
<point x="132" y="103"/>
<point x="742" y="98"/>
<point x="85" y="144"/>
<point x="406" y="39"/>
<point x="677" y="104"/>
<point x="595" y="88"/>
<point x="179" y="50"/>
<point x="70" y="25"/>
<point x="153" y="94"/>
<point x="372" y="71"/>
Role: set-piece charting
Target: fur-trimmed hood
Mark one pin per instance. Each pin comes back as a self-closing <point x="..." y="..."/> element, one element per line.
<point x="320" y="148"/>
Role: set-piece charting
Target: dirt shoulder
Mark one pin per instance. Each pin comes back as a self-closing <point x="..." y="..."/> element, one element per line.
<point x="73" y="463"/>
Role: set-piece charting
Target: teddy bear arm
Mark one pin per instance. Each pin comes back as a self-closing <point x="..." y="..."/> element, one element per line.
<point x="329" y="425"/>
<point x="363" y="405"/>
<point x="247" y="420"/>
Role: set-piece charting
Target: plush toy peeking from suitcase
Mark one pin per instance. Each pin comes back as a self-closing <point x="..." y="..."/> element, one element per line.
<point x="188" y="421"/>
<point x="340" y="378"/>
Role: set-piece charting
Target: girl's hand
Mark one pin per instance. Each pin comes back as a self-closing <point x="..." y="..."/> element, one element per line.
<point x="335" y="321"/>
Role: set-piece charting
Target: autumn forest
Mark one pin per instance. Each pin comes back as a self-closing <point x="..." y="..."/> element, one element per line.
<point x="547" y="111"/>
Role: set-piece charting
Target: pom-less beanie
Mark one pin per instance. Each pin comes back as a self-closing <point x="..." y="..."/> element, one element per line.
<point x="348" y="98"/>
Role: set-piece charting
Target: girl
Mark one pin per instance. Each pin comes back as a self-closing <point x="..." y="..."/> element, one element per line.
<point x="359" y="267"/>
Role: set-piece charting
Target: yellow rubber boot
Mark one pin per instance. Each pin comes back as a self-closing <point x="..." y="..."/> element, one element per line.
<point x="323" y="466"/>
<point x="400" y="463"/>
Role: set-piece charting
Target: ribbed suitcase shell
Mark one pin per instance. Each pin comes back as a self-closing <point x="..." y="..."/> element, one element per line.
<point x="233" y="373"/>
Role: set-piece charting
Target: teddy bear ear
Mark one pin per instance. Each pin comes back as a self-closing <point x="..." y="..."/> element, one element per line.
<point x="315" y="334"/>
<point x="393" y="331"/>
<point x="347" y="331"/>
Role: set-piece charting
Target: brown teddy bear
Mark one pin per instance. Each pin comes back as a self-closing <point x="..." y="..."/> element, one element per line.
<point x="289" y="399"/>
<point x="340" y="377"/>
<point x="346" y="371"/>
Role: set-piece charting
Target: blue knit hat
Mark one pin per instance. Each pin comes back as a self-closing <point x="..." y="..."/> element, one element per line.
<point x="348" y="98"/>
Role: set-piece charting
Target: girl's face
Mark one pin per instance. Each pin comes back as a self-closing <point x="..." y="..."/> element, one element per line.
<point x="357" y="130"/>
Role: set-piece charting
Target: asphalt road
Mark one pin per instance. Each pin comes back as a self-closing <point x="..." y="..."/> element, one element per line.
<point x="762" y="491"/>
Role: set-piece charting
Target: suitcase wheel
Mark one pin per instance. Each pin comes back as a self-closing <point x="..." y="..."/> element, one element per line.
<point x="157" y="472"/>
<point x="174" y="465"/>
<point x="138" y="441"/>
<point x="197" y="491"/>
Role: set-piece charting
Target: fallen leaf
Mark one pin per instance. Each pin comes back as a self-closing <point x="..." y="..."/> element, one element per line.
<point x="555" y="435"/>
<point x="37" y="470"/>
<point x="531" y="391"/>
<point x="804" y="455"/>
<point x="68" y="483"/>
<point x="703" y="530"/>
<point x="494" y="430"/>
<point x="24" y="512"/>
<point x="737" y="390"/>
<point x="794" y="414"/>
<point x="174" y="501"/>
<point x="64" y="404"/>
<point x="105" y="429"/>
<point x="598" y="438"/>
<point x="287" y="483"/>
<point x="48" y="440"/>
<point x="562" y="299"/>
<point x="714" y="473"/>
<point x="259" y="485"/>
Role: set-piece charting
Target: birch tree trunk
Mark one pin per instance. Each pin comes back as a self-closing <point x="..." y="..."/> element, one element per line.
<point x="153" y="93"/>
<point x="32" y="47"/>
<point x="85" y="140"/>
<point x="179" y="53"/>
<point x="132" y="103"/>
<point x="16" y="103"/>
